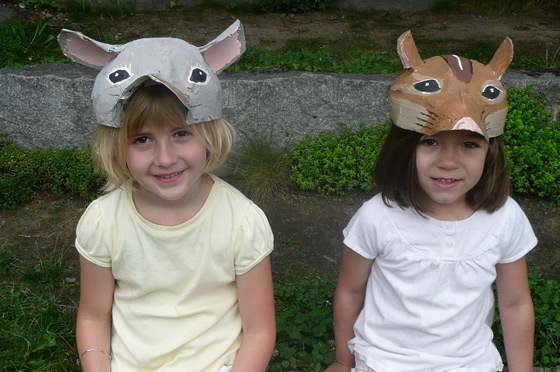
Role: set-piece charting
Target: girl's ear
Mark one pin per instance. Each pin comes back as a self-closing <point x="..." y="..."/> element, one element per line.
<point x="406" y="47"/>
<point x="86" y="51"/>
<point x="502" y="58"/>
<point x="225" y="49"/>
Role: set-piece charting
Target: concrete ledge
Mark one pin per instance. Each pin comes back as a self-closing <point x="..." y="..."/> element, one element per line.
<point x="48" y="106"/>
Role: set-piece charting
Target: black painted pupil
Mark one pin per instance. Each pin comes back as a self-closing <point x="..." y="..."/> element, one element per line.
<point x="491" y="92"/>
<point x="198" y="76"/>
<point x="119" y="75"/>
<point x="427" y="86"/>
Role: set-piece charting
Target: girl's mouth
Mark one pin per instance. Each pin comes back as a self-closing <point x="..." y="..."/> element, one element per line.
<point x="171" y="175"/>
<point x="445" y="180"/>
<point x="168" y="177"/>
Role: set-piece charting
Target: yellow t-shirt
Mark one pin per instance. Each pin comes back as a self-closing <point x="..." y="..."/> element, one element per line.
<point x="175" y="304"/>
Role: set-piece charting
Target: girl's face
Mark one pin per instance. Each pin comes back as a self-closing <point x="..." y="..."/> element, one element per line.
<point x="449" y="164"/>
<point x="167" y="163"/>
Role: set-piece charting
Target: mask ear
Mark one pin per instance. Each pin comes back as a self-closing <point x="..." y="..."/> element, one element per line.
<point x="86" y="51"/>
<point x="225" y="49"/>
<point x="406" y="47"/>
<point x="502" y="58"/>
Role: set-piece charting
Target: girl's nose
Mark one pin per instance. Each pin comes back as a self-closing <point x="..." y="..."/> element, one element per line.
<point x="165" y="155"/>
<point x="448" y="158"/>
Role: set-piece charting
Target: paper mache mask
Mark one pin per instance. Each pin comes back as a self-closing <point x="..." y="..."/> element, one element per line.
<point x="450" y="92"/>
<point x="188" y="71"/>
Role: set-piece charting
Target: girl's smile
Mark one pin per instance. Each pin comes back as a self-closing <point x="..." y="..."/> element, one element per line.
<point x="449" y="164"/>
<point x="168" y="178"/>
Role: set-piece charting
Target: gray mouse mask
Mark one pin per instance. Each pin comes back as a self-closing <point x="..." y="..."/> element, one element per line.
<point x="190" y="72"/>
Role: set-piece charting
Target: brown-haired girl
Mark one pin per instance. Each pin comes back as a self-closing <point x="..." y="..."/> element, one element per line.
<point x="415" y="286"/>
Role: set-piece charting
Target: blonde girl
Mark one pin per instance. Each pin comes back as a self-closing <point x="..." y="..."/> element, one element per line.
<point x="175" y="267"/>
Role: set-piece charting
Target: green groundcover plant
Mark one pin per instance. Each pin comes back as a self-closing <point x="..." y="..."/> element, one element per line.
<point x="335" y="163"/>
<point x="290" y="6"/>
<point x="332" y="163"/>
<point x="24" y="173"/>
<point x="532" y="144"/>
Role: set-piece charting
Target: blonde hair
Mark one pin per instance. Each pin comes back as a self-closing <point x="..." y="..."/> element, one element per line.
<point x="158" y="104"/>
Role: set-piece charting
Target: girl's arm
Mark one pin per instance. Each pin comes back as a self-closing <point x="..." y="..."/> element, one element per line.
<point x="348" y="300"/>
<point x="256" y="305"/>
<point x="93" y="329"/>
<point x="516" y="313"/>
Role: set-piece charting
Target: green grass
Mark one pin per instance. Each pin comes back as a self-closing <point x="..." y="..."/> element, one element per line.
<point x="259" y="169"/>
<point x="38" y="307"/>
<point x="495" y="6"/>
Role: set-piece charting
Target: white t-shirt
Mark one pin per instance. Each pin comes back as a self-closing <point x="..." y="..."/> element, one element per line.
<point x="175" y="303"/>
<point x="429" y="303"/>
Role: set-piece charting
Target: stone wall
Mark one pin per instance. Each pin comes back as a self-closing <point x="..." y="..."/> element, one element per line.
<point x="48" y="106"/>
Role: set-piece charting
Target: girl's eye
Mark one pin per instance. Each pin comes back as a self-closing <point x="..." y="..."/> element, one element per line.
<point x="182" y="133"/>
<point x="141" y="140"/>
<point x="471" y="145"/>
<point x="429" y="142"/>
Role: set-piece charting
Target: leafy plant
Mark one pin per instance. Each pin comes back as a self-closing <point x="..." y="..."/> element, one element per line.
<point x="24" y="173"/>
<point x="499" y="6"/>
<point x="23" y="42"/>
<point x="290" y="6"/>
<point x="304" y="325"/>
<point x="316" y="60"/>
<point x="49" y="4"/>
<point x="175" y="3"/>
<point x="532" y="145"/>
<point x="333" y="164"/>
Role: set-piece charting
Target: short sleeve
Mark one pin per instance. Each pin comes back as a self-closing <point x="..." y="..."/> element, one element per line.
<point x="91" y="237"/>
<point x="254" y="240"/>
<point x="360" y="234"/>
<point x="519" y="237"/>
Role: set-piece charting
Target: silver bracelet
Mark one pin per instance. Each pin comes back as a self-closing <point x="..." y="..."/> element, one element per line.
<point x="98" y="350"/>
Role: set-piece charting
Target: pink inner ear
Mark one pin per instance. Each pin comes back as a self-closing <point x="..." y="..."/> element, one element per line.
<point x="220" y="55"/>
<point x="86" y="52"/>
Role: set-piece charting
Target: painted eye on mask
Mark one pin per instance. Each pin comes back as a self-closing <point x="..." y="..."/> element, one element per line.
<point x="491" y="92"/>
<point x="198" y="76"/>
<point x="427" y="86"/>
<point x="119" y="75"/>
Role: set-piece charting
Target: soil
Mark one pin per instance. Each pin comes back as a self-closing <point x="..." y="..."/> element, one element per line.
<point x="307" y="227"/>
<point x="533" y="30"/>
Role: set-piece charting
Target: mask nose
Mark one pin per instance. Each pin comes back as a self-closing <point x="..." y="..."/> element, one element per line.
<point x="467" y="123"/>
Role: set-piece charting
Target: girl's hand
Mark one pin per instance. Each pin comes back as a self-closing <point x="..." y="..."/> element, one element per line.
<point x="338" y="367"/>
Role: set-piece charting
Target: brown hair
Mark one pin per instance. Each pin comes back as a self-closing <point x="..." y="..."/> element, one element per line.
<point x="156" y="103"/>
<point x="396" y="176"/>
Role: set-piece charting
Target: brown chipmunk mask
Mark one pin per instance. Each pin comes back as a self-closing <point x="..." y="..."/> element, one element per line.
<point x="449" y="92"/>
<point x="190" y="72"/>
